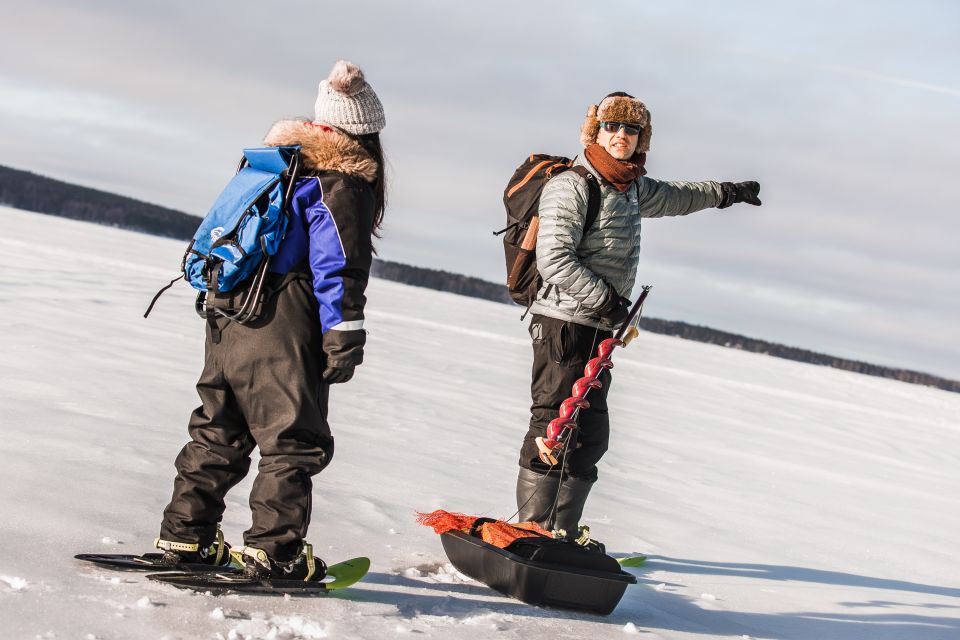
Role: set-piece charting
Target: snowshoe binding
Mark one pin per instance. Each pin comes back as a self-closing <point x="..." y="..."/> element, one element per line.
<point x="257" y="565"/>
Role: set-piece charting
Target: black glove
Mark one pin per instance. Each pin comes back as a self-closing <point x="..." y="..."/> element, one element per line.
<point x="734" y="192"/>
<point x="336" y="375"/>
<point x="616" y="310"/>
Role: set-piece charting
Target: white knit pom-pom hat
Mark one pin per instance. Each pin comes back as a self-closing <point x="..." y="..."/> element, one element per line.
<point x="346" y="101"/>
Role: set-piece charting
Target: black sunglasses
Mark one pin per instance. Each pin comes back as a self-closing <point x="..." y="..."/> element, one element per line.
<point x="613" y="127"/>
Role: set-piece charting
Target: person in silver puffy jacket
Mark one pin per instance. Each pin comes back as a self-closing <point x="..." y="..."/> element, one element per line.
<point x="587" y="281"/>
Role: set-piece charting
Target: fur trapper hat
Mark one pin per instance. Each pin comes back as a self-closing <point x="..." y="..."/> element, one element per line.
<point x="617" y="107"/>
<point x="346" y="101"/>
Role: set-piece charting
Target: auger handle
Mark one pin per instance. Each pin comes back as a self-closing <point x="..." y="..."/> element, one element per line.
<point x="634" y="311"/>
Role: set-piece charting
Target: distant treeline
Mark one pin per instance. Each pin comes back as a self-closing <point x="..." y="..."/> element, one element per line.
<point x="441" y="281"/>
<point x="31" y="192"/>
<point x="28" y="191"/>
<point x="724" y="339"/>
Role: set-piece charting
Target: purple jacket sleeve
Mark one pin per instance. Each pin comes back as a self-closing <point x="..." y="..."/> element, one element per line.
<point x="338" y="216"/>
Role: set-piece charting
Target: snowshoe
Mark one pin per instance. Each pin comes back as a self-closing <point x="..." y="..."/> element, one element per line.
<point x="338" y="576"/>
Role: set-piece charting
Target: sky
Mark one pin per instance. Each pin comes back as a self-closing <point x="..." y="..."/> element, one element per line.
<point x="844" y="112"/>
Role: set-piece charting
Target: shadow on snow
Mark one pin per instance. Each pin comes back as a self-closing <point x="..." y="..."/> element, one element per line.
<point x="671" y="611"/>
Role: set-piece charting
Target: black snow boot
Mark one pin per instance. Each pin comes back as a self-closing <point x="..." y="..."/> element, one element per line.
<point x="572" y="496"/>
<point x="536" y="494"/>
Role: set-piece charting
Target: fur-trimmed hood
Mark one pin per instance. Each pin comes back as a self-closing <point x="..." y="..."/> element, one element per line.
<point x="323" y="148"/>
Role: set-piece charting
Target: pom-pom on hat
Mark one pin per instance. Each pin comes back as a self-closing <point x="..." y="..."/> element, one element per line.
<point x="346" y="101"/>
<point x="617" y="107"/>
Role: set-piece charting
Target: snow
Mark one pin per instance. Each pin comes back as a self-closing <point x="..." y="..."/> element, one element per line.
<point x="774" y="499"/>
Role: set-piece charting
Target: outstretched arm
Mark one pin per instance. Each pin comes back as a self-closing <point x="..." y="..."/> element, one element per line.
<point x="659" y="198"/>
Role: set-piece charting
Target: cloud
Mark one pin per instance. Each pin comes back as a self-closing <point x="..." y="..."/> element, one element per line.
<point x="845" y="126"/>
<point x="851" y="71"/>
<point x="76" y="113"/>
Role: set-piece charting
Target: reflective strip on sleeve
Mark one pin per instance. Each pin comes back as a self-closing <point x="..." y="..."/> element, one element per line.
<point x="351" y="325"/>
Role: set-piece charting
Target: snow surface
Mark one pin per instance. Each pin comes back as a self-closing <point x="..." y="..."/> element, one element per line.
<point x="775" y="499"/>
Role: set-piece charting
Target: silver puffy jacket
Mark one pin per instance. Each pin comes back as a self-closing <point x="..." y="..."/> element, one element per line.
<point x="578" y="272"/>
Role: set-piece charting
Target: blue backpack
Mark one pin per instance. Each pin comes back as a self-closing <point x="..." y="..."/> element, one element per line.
<point x="241" y="232"/>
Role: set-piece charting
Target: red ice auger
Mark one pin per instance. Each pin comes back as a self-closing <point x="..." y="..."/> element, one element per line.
<point x="561" y="428"/>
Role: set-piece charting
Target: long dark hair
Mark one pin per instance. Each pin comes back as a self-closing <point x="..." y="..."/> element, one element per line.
<point x="371" y="144"/>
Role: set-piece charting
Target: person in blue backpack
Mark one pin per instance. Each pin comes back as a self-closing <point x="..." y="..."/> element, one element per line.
<point x="266" y="383"/>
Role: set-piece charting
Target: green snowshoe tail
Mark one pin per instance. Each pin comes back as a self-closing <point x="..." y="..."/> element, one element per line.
<point x="632" y="561"/>
<point x="145" y="562"/>
<point x="346" y="573"/>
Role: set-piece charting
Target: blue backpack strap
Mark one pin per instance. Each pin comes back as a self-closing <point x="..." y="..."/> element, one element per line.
<point x="275" y="160"/>
<point x="160" y="293"/>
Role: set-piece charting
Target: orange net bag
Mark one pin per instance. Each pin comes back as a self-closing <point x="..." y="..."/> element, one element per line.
<point x="496" y="532"/>
<point x="443" y="521"/>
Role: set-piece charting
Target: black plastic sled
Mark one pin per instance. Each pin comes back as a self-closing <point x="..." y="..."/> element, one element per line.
<point x="533" y="582"/>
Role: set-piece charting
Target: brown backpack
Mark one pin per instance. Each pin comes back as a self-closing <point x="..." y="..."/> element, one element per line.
<point x="522" y="201"/>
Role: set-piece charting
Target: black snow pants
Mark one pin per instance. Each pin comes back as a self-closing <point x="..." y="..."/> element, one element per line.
<point x="561" y="350"/>
<point x="260" y="387"/>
